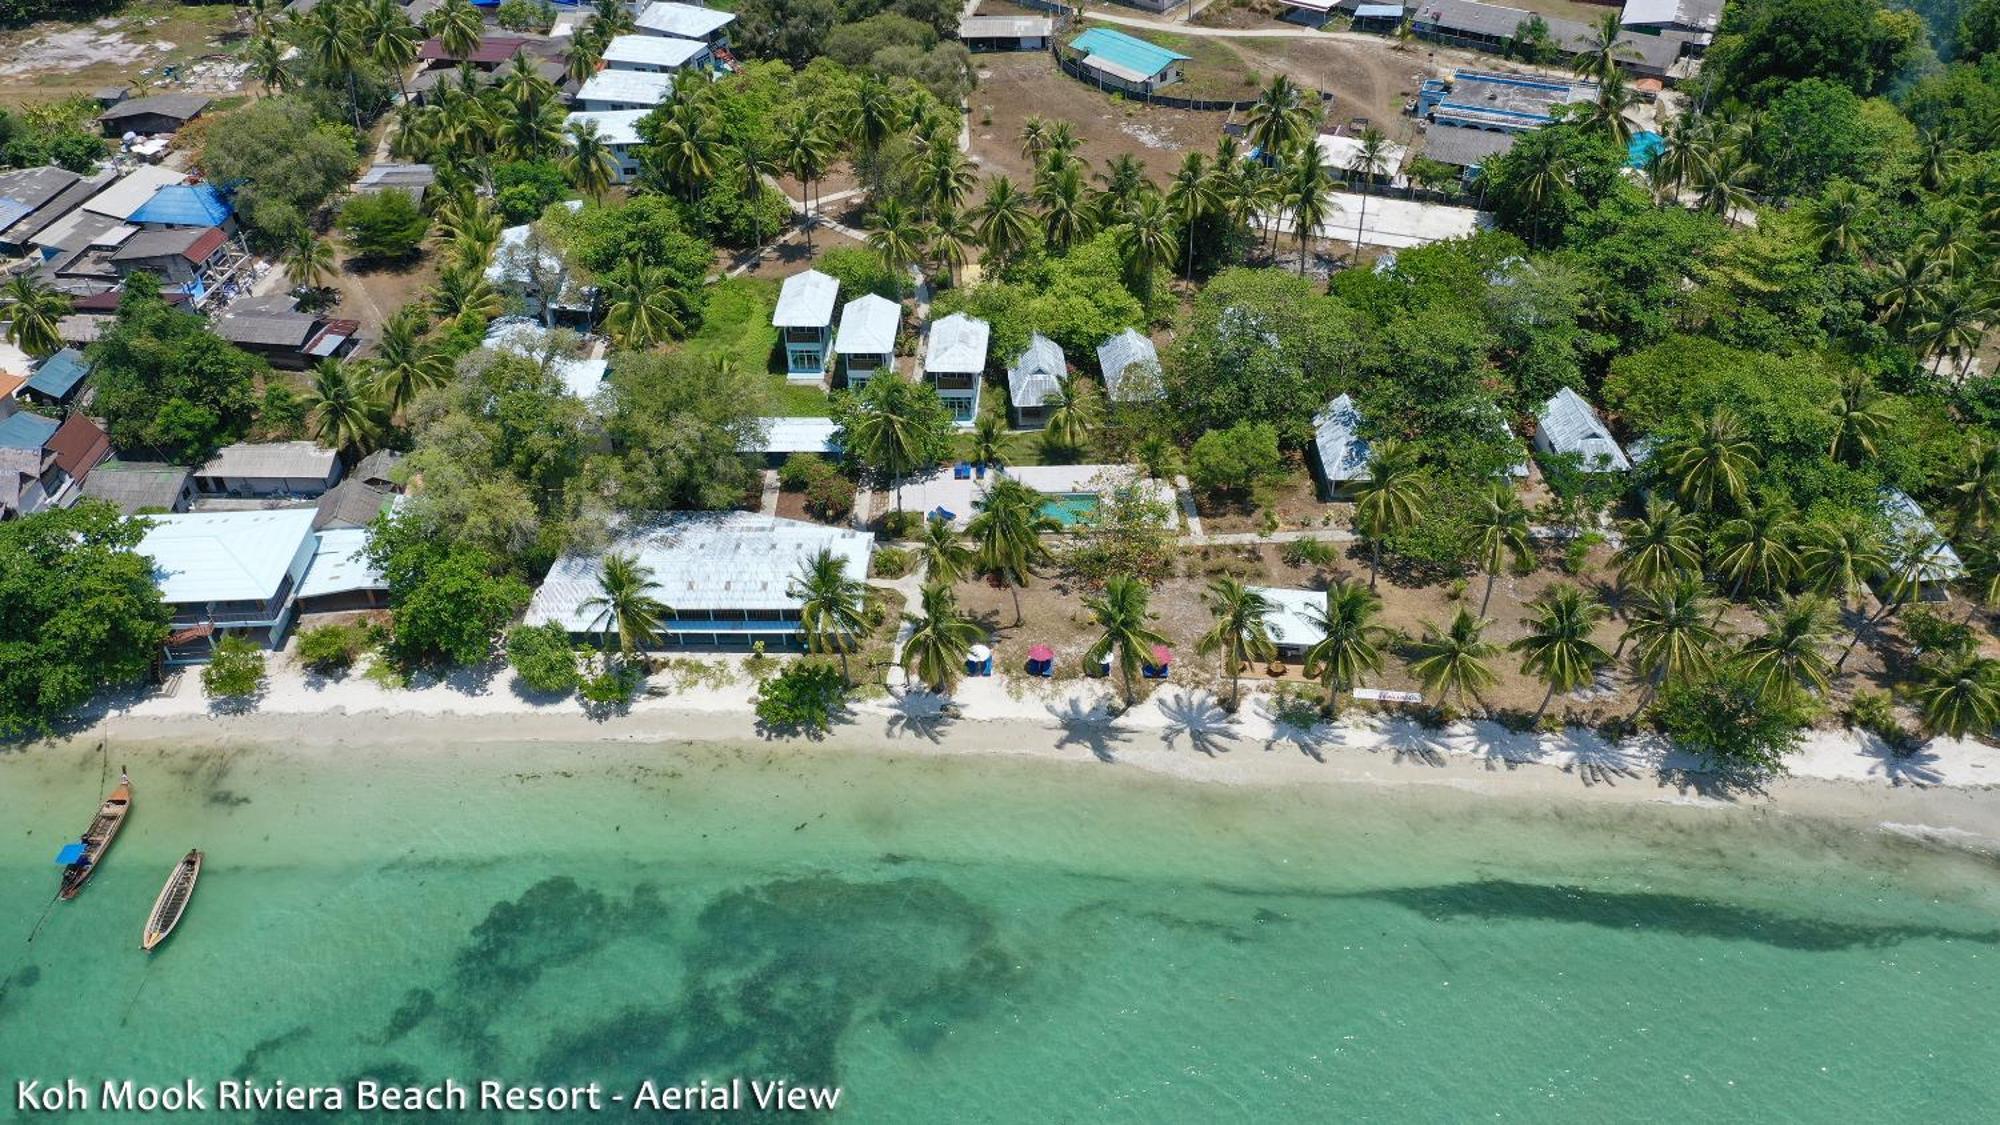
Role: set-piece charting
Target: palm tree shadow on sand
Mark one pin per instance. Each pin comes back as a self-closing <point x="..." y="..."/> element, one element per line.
<point x="1312" y="739"/>
<point x="1918" y="767"/>
<point x="1090" y="724"/>
<point x="1197" y="716"/>
<point x="924" y="714"/>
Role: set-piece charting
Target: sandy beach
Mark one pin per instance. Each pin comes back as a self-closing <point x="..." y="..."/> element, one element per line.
<point x="1947" y="791"/>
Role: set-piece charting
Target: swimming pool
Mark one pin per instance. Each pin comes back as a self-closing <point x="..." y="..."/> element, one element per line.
<point x="1644" y="146"/>
<point x="1069" y="508"/>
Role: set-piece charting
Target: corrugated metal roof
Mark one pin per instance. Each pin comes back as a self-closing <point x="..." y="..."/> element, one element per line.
<point x="868" y="326"/>
<point x="184" y="205"/>
<point x="1130" y="51"/>
<point x="1291" y="623"/>
<point x="59" y="374"/>
<point x="79" y="445"/>
<point x="351" y="503"/>
<point x="1378" y="12"/>
<point x="958" y="345"/>
<point x="614" y="126"/>
<point x="1036" y="374"/>
<point x="1701" y="15"/>
<point x="631" y="89"/>
<point x="295" y="460"/>
<point x="684" y="20"/>
<point x="179" y="106"/>
<point x="26" y="430"/>
<point x="192" y="243"/>
<point x="1115" y="358"/>
<point x="1570" y="425"/>
<point x="793" y="435"/>
<point x="651" y="50"/>
<point x="340" y="565"/>
<point x="806" y="300"/>
<point x="133" y="485"/>
<point x="277" y="330"/>
<point x="121" y="199"/>
<point x="201" y="557"/>
<point x="1343" y="452"/>
<point x="1465" y="148"/>
<point x="1908" y="519"/>
<point x="491" y="49"/>
<point x="524" y="336"/>
<point x="1005" y="27"/>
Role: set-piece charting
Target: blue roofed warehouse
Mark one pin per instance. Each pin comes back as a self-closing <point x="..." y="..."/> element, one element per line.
<point x="1118" y="61"/>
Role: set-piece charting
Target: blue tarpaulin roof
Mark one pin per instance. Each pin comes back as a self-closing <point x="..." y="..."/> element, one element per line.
<point x="26" y="431"/>
<point x="1125" y="50"/>
<point x="185" y="205"/>
<point x="70" y="854"/>
<point x="59" y="374"/>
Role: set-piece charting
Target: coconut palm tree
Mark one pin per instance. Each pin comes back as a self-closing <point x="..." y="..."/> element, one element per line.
<point x="392" y="40"/>
<point x="1500" y="532"/>
<point x="1145" y="240"/>
<point x="875" y="112"/>
<point x="885" y="430"/>
<point x="1603" y="48"/>
<point x="639" y="311"/>
<point x="405" y="364"/>
<point x="1279" y="120"/>
<point x="1790" y="653"/>
<point x="943" y="176"/>
<point x="1837" y="558"/>
<point x="462" y="290"/>
<point x="1754" y="550"/>
<point x="1687" y="152"/>
<point x="309" y="262"/>
<point x="1835" y="219"/>
<point x="269" y="66"/>
<point x="1905" y="288"/>
<point x="1034" y="137"/>
<point x="609" y="19"/>
<point x="951" y="240"/>
<point x="1068" y="216"/>
<point x="1954" y="324"/>
<point x="339" y="412"/>
<point x="1122" y="616"/>
<point x="1962" y="698"/>
<point x="1611" y="112"/>
<point x="1192" y="197"/>
<point x="1349" y="644"/>
<point x="624" y="604"/>
<point x="1370" y="161"/>
<point x="990" y="439"/>
<point x="939" y="639"/>
<point x="1241" y="632"/>
<point x="1308" y="194"/>
<point x="1715" y="463"/>
<point x="1455" y="659"/>
<point x="1005" y="221"/>
<point x="1660" y="545"/>
<point x="1671" y="628"/>
<point x="1975" y="499"/>
<point x="831" y="606"/>
<point x="1558" y="649"/>
<point x="1858" y="418"/>
<point x="686" y="145"/>
<point x="1953" y="239"/>
<point x="331" y="41"/>
<point x="805" y="147"/>
<point x="755" y="164"/>
<point x="1120" y="185"/>
<point x="895" y="237"/>
<point x="589" y="163"/>
<point x="581" y="56"/>
<point x="1724" y="189"/>
<point x="458" y="27"/>
<point x="944" y="552"/>
<point x="1390" y="501"/>
<point x="1075" y="412"/>
<point x="1007" y="535"/>
<point x="34" y="312"/>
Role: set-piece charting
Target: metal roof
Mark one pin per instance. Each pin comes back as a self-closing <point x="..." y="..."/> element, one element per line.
<point x="1570" y="425"/>
<point x="958" y="345"/>
<point x="1115" y="358"/>
<point x="684" y="20"/>
<point x="1378" y="11"/>
<point x="1907" y="518"/>
<point x="126" y="196"/>
<point x="26" y="430"/>
<point x="491" y="49"/>
<point x="868" y="326"/>
<point x="182" y="107"/>
<point x="1465" y="148"/>
<point x="201" y="557"/>
<point x="630" y="89"/>
<point x="1343" y="452"/>
<point x="805" y="300"/>
<point x="79" y="229"/>
<point x="1036" y="374"/>
<point x="1290" y="622"/>
<point x="397" y="175"/>
<point x="1699" y="15"/>
<point x="196" y="244"/>
<point x="275" y="460"/>
<point x="29" y="189"/>
<point x="651" y="50"/>
<point x="274" y="330"/>
<point x="63" y="206"/>
<point x="59" y="374"/>
<point x="351" y="503"/>
<point x="133" y="485"/>
<point x="524" y="336"/>
<point x="793" y="435"/>
<point x="1005" y="27"/>
<point x="79" y="444"/>
<point x="184" y="205"/>
<point x="700" y="562"/>
<point x="1128" y="51"/>
<point x="1343" y="154"/>
<point x="1468" y="17"/>
<point x="340" y="565"/>
<point x="614" y="126"/>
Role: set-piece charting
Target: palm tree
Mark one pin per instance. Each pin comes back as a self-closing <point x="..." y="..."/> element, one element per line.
<point x="1835" y="219"/>
<point x="1145" y="241"/>
<point x="581" y="56"/>
<point x="990" y="439"/>
<point x="1122" y="182"/>
<point x="1034" y="137"/>
<point x="1121" y="613"/>
<point x="338" y="409"/>
<point x="1603" y="48"/>
<point x="1962" y="698"/>
<point x="1308" y="188"/>
<point x="1007" y="535"/>
<point x="894" y="237"/>
<point x="309" y="262"/>
<point x="1075" y="412"/>
<point x="1754" y="550"/>
<point x="1280" y="119"/>
<point x="1671" y="628"/>
<point x="1837" y="559"/>
<point x="1687" y="152"/>
<point x="951" y="240"/>
<point x="1716" y="462"/>
<point x="1368" y="163"/>
<point x="1349" y="644"/>
<point x="875" y="111"/>
<point x="1724" y="187"/>
<point x="1975" y="498"/>
<point x="1240" y="632"/>
<point x="885" y="430"/>
<point x="940" y="637"/>
<point x="589" y="164"/>
<point x="1612" y="111"/>
<point x="1790" y="653"/>
<point x="610" y="19"/>
<point x="1455" y="658"/>
<point x="1193" y="196"/>
<point x="1660" y="545"/>
<point x="624" y="604"/>
<point x="333" y="45"/>
<point x="1955" y="323"/>
<point x="943" y="176"/>
<point x="458" y="27"/>
<point x="1068" y="216"/>
<point x="830" y="606"/>
<point x="1905" y="288"/>
<point x="1005" y="222"/>
<point x="1953" y="240"/>
<point x="393" y="41"/>
<point x="805" y="146"/>
<point x="405" y="365"/>
<point x="1500" y="532"/>
<point x="640" y="311"/>
<point x="944" y="552"/>
<point x="34" y="312"/>
<point x="686" y="144"/>
<point x="268" y="65"/>
<point x="755" y="165"/>
<point x="465" y="290"/>
<point x="1558" y="649"/>
<point x="1858" y="418"/>
<point x="1390" y="501"/>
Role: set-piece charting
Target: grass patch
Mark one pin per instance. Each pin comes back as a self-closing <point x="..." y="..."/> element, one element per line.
<point x="736" y="323"/>
<point x="798" y="400"/>
<point x="1213" y="68"/>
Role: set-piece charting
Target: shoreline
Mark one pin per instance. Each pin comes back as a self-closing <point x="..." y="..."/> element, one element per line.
<point x="1947" y="792"/>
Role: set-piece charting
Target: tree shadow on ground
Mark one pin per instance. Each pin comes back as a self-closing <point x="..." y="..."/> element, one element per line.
<point x="1917" y="767"/>
<point x="1312" y="738"/>
<point x="1198" y="716"/>
<point x="924" y="714"/>
<point x="1091" y="724"/>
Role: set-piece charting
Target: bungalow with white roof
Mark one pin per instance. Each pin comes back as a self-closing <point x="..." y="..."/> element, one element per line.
<point x="804" y="320"/>
<point x="726" y="576"/>
<point x="866" y="342"/>
<point x="1340" y="453"/>
<point x="521" y="271"/>
<point x="778" y="438"/>
<point x="223" y="572"/>
<point x="1345" y="156"/>
<point x="609" y="90"/>
<point x="1131" y="368"/>
<point x="1909" y="522"/>
<point x="1034" y="379"/>
<point x="277" y="468"/>
<point x="686" y="21"/>
<point x="1290" y="623"/>
<point x="619" y="130"/>
<point x="339" y="578"/>
<point x="582" y="376"/>
<point x="1568" y="424"/>
<point x="655" y="53"/>
<point x="955" y="363"/>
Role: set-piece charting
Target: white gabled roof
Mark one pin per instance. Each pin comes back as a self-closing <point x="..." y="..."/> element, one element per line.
<point x="121" y="199"/>
<point x="651" y="50"/>
<point x="340" y="565"/>
<point x="614" y="126"/>
<point x="1037" y="372"/>
<point x="1343" y="452"/>
<point x="271" y="460"/>
<point x="1907" y="518"/>
<point x="868" y="326"/>
<point x="525" y="336"/>
<point x="1290" y="622"/>
<point x="633" y="88"/>
<point x="806" y="300"/>
<point x="685" y="20"/>
<point x="793" y="435"/>
<point x="1571" y="425"/>
<point x="958" y="345"/>
<point x="201" y="557"/>
<point x="1115" y="358"/>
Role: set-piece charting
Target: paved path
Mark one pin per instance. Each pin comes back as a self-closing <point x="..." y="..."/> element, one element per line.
<point x="768" y="502"/>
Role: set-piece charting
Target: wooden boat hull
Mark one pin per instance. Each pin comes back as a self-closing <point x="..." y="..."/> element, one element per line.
<point x="97" y="838"/>
<point x="173" y="901"/>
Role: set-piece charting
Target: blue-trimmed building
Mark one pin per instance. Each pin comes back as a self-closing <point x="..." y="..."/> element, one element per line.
<point x="1117" y="61"/>
<point x="58" y="380"/>
<point x="1503" y="103"/>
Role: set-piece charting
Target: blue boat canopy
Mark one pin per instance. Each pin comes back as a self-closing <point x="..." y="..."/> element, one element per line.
<point x="70" y="854"/>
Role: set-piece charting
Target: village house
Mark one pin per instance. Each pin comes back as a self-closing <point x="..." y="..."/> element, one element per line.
<point x="290" y="340"/>
<point x="228" y="572"/>
<point x="57" y="381"/>
<point x="1569" y="425"/>
<point x="277" y="468"/>
<point x="655" y="54"/>
<point x="141" y="486"/>
<point x="709" y="26"/>
<point x="1117" y="61"/>
<point x="610" y="90"/>
<point x="1035" y="378"/>
<point x="1131" y="368"/>
<point x="36" y="216"/>
<point x="866" y="341"/>
<point x="1340" y="454"/>
<point x="1290" y="624"/>
<point x="955" y="363"/>
<point x="188" y="259"/>
<point x="159" y="113"/>
<point x="339" y="578"/>
<point x="1909" y="523"/>
<point x="45" y="463"/>
<point x="1005" y="33"/>
<point x="619" y="130"/>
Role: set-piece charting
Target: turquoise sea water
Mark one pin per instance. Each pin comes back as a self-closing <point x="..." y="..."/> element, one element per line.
<point x="997" y="941"/>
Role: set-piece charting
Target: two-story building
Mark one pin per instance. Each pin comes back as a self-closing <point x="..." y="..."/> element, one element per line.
<point x="866" y="341"/>
<point x="1033" y="380"/>
<point x="955" y="363"/>
<point x="228" y="572"/>
<point x="804" y="320"/>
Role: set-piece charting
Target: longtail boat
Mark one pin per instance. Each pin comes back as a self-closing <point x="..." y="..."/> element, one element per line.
<point x="80" y="859"/>
<point x="173" y="901"/>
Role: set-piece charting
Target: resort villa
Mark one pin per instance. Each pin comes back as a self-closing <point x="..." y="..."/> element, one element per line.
<point x="866" y="342"/>
<point x="1291" y="621"/>
<point x="655" y="54"/>
<point x="1908" y="522"/>
<point x="727" y="577"/>
<point x="955" y="363"/>
<point x="708" y="26"/>
<point x="1131" y="368"/>
<point x="1070" y="492"/>
<point x="1567" y="424"/>
<point x="1117" y="61"/>
<point x="804" y="320"/>
<point x="779" y="438"/>
<point x="1340" y="453"/>
<point x="229" y="572"/>
<point x="1034" y="379"/>
<point x="619" y="130"/>
<point x="610" y="90"/>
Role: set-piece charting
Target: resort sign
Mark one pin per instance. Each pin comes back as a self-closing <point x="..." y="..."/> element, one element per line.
<point x="1386" y="696"/>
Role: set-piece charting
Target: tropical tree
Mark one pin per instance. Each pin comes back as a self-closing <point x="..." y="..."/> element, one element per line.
<point x="1835" y="219"/>
<point x="1724" y="188"/>
<point x="951" y="240"/>
<point x="1145" y="240"/>
<point x="1836" y="559"/>
<point x="1500" y="531"/>
<point x="1121" y="615"/>
<point x="1790" y="653"/>
<point x="1370" y="160"/>
<point x="464" y="290"/>
<point x="458" y="27"/>
<point x="1308" y="194"/>
<point x="589" y="163"/>
<point x="1660" y="545"/>
<point x="1034" y="137"/>
<point x="1005" y="222"/>
<point x="1603" y="48"/>
<point x="990" y="439"/>
<point x="1716" y="462"/>
<point x="1241" y="632"/>
<point x="805" y="147"/>
<point x="1671" y="628"/>
<point x="1962" y="698"/>
<point x="1955" y="323"/>
<point x="309" y="262"/>
<point x="1279" y="120"/>
<point x="331" y="41"/>
<point x="894" y="236"/>
<point x="268" y="64"/>
<point x="1007" y="535"/>
<point x="1558" y="649"/>
<point x="1068" y="215"/>
<point x="895" y="427"/>
<point x="1975" y="499"/>
<point x="34" y="312"/>
<point x="831" y="606"/>
<point x="1858" y="418"/>
<point x="942" y="175"/>
<point x="1390" y="501"/>
<point x="686" y="143"/>
<point x="1611" y="112"/>
<point x="1905" y="288"/>
<point x="944" y="552"/>
<point x="393" y="41"/>
<point x="1754" y="550"/>
<point x="1191" y="197"/>
<point x="1455" y="659"/>
<point x="338" y="408"/>
<point x="405" y="364"/>
<point x="640" y="309"/>
<point x="624" y="604"/>
<point x="1350" y="644"/>
<point x="1687" y="152"/>
<point x="581" y="56"/>
<point x="939" y="639"/>
<point x="755" y="163"/>
<point x="1075" y="411"/>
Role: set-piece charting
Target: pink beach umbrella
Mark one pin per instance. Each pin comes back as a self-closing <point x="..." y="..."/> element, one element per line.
<point x="1162" y="656"/>
<point x="1041" y="652"/>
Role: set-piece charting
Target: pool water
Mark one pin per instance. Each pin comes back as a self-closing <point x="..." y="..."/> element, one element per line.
<point x="1069" y="509"/>
<point x="1644" y="146"/>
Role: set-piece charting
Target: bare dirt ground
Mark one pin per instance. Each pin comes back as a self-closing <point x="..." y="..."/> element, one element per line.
<point x="1013" y="87"/>
<point x="373" y="295"/>
<point x="51" y="60"/>
<point x="1292" y="502"/>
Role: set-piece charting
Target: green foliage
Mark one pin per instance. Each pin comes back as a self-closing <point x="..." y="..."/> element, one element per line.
<point x="860" y="271"/>
<point x="79" y="612"/>
<point x="1309" y="552"/>
<point x="1816" y="130"/>
<point x="675" y="426"/>
<point x="648" y="229"/>
<point x="1935" y="638"/>
<point x="165" y="383"/>
<point x="1550" y="178"/>
<point x="523" y="189"/>
<point x="1129" y="532"/>
<point x="235" y="671"/>
<point x="62" y="133"/>
<point x="800" y="470"/>
<point x="287" y="164"/>
<point x="1730" y="724"/>
<point x="1262" y="345"/>
<point x="1079" y="300"/>
<point x="831" y="497"/>
<point x="614" y="687"/>
<point x="543" y="656"/>
<point x="891" y="562"/>
<point x="331" y="649"/>
<point x="805" y="698"/>
<point x="525" y="15"/>
<point x="894" y="427"/>
<point x="448" y="604"/>
<point x="1770" y="45"/>
<point x="1239" y="459"/>
<point x="384" y="224"/>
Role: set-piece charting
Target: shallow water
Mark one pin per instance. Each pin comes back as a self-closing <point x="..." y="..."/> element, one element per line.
<point x="996" y="941"/>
